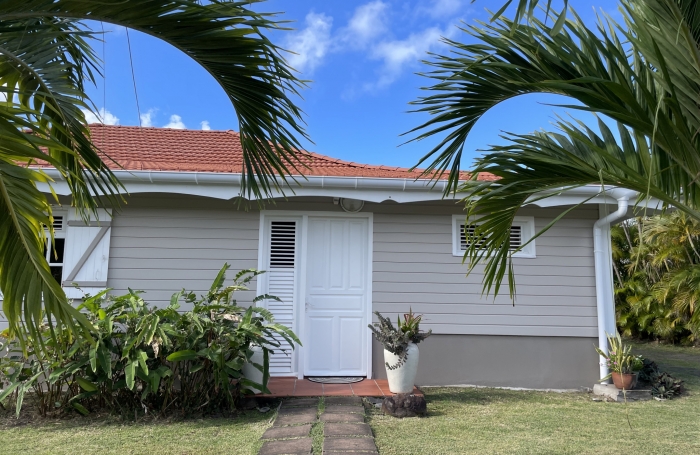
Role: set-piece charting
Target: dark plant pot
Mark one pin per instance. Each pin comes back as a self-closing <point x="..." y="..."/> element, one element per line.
<point x="626" y="381"/>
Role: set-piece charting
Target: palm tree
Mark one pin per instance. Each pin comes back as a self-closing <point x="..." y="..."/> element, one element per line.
<point x="645" y="76"/>
<point x="45" y="64"/>
<point x="658" y="281"/>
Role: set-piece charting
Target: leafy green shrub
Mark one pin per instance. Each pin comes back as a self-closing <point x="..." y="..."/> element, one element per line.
<point x="656" y="263"/>
<point x="155" y="360"/>
<point x="666" y="386"/>
<point x="396" y="339"/>
<point x="662" y="384"/>
<point x="649" y="372"/>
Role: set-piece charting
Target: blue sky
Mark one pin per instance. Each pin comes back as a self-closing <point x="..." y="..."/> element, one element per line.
<point x="361" y="56"/>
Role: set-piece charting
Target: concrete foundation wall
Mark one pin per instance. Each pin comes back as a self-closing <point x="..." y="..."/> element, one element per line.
<point x="502" y="361"/>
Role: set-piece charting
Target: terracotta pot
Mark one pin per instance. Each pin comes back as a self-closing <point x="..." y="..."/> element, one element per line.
<point x="625" y="381"/>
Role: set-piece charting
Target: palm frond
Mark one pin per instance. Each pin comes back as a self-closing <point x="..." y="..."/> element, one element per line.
<point x="592" y="67"/>
<point x="45" y="65"/>
<point x="526" y="8"/>
<point x="535" y="166"/>
<point x="226" y="39"/>
<point x="654" y="150"/>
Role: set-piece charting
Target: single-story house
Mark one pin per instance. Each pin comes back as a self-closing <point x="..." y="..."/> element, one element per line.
<point x="350" y="240"/>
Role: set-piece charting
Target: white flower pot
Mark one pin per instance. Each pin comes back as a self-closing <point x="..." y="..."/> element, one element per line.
<point x="402" y="379"/>
<point x="250" y="372"/>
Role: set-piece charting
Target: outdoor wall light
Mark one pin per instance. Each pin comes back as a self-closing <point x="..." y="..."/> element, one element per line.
<point x="351" y="205"/>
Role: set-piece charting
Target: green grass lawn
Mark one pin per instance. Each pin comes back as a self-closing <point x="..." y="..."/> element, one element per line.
<point x="460" y="421"/>
<point x="465" y="421"/>
<point x="107" y="435"/>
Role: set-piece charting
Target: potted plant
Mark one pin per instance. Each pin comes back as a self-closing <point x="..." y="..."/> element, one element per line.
<point x="623" y="366"/>
<point x="400" y="349"/>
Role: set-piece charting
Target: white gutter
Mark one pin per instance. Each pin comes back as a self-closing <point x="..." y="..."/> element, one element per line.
<point x="602" y="251"/>
<point x="372" y="189"/>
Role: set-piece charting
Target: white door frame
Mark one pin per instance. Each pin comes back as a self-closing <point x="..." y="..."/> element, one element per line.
<point x="300" y="315"/>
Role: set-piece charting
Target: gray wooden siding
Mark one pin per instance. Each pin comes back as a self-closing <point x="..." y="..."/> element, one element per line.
<point x="414" y="267"/>
<point x="163" y="243"/>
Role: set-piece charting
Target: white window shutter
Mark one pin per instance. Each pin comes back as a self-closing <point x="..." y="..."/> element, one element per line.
<point x="281" y="282"/>
<point x="86" y="257"/>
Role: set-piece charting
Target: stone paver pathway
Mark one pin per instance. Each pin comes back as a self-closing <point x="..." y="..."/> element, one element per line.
<point x="289" y="434"/>
<point x="344" y="428"/>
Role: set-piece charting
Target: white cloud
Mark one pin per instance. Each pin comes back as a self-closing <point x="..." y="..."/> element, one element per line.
<point x="175" y="123"/>
<point x="205" y="125"/>
<point x="367" y="23"/>
<point x="397" y="55"/>
<point x="368" y="30"/>
<point x="311" y="43"/>
<point x="442" y="8"/>
<point x="147" y="118"/>
<point x="103" y="116"/>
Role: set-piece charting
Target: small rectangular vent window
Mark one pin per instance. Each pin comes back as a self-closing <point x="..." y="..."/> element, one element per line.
<point x="58" y="222"/>
<point x="466" y="234"/>
<point x="282" y="244"/>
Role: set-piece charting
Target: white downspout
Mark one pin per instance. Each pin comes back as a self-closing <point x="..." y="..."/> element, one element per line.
<point x="602" y="250"/>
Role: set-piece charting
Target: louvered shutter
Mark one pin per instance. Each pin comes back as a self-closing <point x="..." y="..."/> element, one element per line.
<point x="86" y="257"/>
<point x="282" y="277"/>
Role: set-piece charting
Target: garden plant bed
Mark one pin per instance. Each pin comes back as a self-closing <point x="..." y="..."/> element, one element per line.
<point x="464" y="420"/>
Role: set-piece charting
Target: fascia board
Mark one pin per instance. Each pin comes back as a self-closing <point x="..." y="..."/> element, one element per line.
<point x="227" y="186"/>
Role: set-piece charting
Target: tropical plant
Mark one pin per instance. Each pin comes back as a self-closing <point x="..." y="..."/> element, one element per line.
<point x="143" y="358"/>
<point x="657" y="277"/>
<point x="663" y="385"/>
<point x="666" y="387"/>
<point x="643" y="75"/>
<point x="396" y="339"/>
<point x="619" y="358"/>
<point x="46" y="63"/>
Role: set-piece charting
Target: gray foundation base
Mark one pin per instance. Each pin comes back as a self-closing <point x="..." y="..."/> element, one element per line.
<point x="502" y="361"/>
<point x="612" y="392"/>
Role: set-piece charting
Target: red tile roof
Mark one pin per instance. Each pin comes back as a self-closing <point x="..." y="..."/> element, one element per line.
<point x="162" y="149"/>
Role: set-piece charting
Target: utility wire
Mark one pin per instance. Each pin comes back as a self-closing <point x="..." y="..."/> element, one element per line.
<point x="104" y="70"/>
<point x="133" y="76"/>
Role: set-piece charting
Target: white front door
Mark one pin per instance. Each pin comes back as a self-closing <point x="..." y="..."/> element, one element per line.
<point x="335" y="341"/>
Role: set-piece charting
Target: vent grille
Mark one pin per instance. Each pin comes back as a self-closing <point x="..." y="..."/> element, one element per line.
<point x="283" y="236"/>
<point x="516" y="237"/>
<point x="58" y="222"/>
<point x="466" y="233"/>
